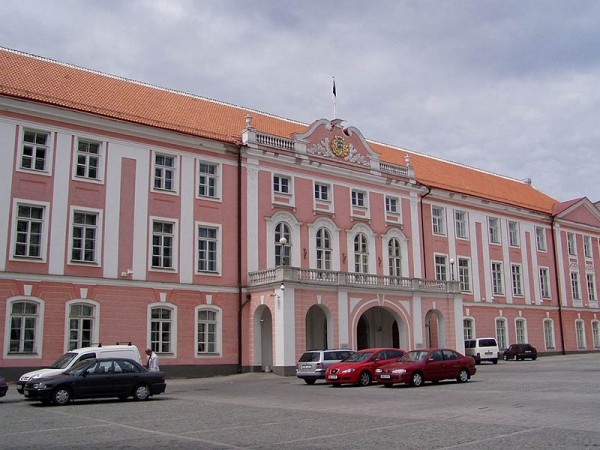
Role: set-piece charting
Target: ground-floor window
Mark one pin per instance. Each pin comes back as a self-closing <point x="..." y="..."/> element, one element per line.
<point x="580" y="333"/>
<point x="468" y="328"/>
<point x="501" y="333"/>
<point x="161" y="327"/>
<point x="521" y="328"/>
<point x="549" y="334"/>
<point x="596" y="333"/>
<point x="207" y="331"/>
<point x="81" y="325"/>
<point x="24" y="322"/>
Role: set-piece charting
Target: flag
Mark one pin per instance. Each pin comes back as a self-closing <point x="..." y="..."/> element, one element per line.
<point x="334" y="93"/>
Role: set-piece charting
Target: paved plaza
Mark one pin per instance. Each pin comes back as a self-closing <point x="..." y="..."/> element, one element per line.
<point x="553" y="402"/>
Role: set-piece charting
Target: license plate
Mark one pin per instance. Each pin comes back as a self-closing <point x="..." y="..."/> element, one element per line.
<point x="384" y="377"/>
<point x="306" y="366"/>
<point x="488" y="353"/>
<point x="333" y="377"/>
<point x="527" y="351"/>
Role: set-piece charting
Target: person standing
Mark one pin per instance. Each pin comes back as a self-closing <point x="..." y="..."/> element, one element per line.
<point x="152" y="363"/>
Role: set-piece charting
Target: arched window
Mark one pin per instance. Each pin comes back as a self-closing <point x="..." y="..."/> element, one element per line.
<point x="323" y="249"/>
<point x="24" y="323"/>
<point x="361" y="254"/>
<point x="81" y="325"/>
<point x="395" y="259"/>
<point x="161" y="329"/>
<point x="282" y="251"/>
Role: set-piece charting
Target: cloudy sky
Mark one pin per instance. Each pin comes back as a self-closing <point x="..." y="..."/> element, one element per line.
<point x="510" y="87"/>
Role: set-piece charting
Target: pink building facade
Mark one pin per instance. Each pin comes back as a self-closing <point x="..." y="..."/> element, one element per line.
<point x="236" y="241"/>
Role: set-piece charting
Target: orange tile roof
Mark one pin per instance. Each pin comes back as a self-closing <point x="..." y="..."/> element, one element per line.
<point x="38" y="79"/>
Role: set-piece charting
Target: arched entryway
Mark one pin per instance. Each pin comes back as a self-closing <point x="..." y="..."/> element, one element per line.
<point x="263" y="338"/>
<point x="435" y="329"/>
<point x="317" y="329"/>
<point x="380" y="327"/>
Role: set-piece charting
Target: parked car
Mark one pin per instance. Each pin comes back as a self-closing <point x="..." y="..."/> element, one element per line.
<point x="419" y="366"/>
<point x="359" y="368"/>
<point x="3" y="386"/>
<point x="313" y="364"/>
<point x="95" y="378"/>
<point x="482" y="349"/>
<point x="520" y="352"/>
<point x="66" y="361"/>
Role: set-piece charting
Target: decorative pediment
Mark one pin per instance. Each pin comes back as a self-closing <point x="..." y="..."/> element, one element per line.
<point x="329" y="139"/>
<point x="581" y="211"/>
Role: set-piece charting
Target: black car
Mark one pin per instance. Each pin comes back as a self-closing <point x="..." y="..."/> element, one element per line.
<point x="3" y="386"/>
<point x="95" y="378"/>
<point x="520" y="352"/>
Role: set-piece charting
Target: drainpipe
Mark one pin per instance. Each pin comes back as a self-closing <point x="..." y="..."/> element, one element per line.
<point x="423" y="234"/>
<point x="560" y="317"/>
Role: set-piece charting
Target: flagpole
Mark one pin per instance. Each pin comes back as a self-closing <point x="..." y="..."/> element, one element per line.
<point x="334" y="98"/>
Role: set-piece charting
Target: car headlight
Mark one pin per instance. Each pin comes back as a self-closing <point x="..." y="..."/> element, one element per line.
<point x="40" y="386"/>
<point x="399" y="371"/>
<point x="348" y="370"/>
<point x="378" y="370"/>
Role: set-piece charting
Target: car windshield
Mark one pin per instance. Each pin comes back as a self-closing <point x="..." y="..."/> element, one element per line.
<point x="414" y="356"/>
<point x="64" y="361"/>
<point x="79" y="367"/>
<point x="359" y="357"/>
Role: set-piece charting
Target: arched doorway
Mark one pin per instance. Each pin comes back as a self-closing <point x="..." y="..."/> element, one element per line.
<point x="435" y="329"/>
<point x="380" y="327"/>
<point x="263" y="338"/>
<point x="317" y="335"/>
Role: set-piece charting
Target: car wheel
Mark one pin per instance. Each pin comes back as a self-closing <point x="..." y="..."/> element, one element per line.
<point x="364" y="379"/>
<point x="505" y="358"/>
<point x="463" y="376"/>
<point x="309" y="381"/>
<point x="141" y="392"/>
<point x="61" y="396"/>
<point x="495" y="361"/>
<point x="417" y="379"/>
<point x="533" y="358"/>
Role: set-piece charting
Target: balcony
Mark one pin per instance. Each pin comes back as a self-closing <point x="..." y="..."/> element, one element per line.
<point x="322" y="278"/>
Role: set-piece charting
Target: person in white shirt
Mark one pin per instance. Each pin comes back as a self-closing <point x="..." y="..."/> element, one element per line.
<point x="152" y="364"/>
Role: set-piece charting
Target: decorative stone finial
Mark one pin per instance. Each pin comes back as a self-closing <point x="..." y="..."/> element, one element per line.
<point x="407" y="159"/>
<point x="248" y="121"/>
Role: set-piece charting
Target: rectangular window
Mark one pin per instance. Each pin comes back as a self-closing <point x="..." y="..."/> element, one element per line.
<point x="322" y="192"/>
<point x="580" y="332"/>
<point x="207" y="331"/>
<point x="29" y="228"/>
<point x="208" y="180"/>
<point x="391" y="205"/>
<point x="494" y="228"/>
<point x="160" y="330"/>
<point x="517" y="282"/>
<point x="497" y="279"/>
<point x="549" y="334"/>
<point x="23" y="327"/>
<point x="85" y="233"/>
<point x="575" y="287"/>
<point x="461" y="224"/>
<point x="207" y="249"/>
<point x="88" y="159"/>
<point x="540" y="237"/>
<point x="359" y="199"/>
<point x="163" y="239"/>
<point x="513" y="234"/>
<point x="441" y="269"/>
<point x="501" y="333"/>
<point x="164" y="172"/>
<point x="438" y="217"/>
<point x="34" y="150"/>
<point x="591" y="285"/>
<point x="544" y="282"/>
<point x="81" y="326"/>
<point x="468" y="328"/>
<point x="464" y="274"/>
<point x="571" y="244"/>
<point x="281" y="185"/>
<point x="521" y="331"/>
<point x="587" y="246"/>
<point x="596" y="334"/>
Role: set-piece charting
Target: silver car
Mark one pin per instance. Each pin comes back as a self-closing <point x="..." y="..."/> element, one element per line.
<point x="313" y="364"/>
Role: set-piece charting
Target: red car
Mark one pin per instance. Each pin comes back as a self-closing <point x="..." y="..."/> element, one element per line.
<point x="359" y="368"/>
<point x="433" y="365"/>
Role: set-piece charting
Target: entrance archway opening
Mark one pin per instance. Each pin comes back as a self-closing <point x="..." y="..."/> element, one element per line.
<point x="317" y="335"/>
<point x="263" y="338"/>
<point x="435" y="329"/>
<point x="380" y="327"/>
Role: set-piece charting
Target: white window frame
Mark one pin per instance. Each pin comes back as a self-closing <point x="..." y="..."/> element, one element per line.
<point x="48" y="149"/>
<point x="43" y="235"/>
<point x="175" y="244"/>
<point x="211" y="180"/>
<point x="494" y="230"/>
<point x="320" y="189"/>
<point x="540" y="239"/>
<point x="172" y="353"/>
<point x="464" y="274"/>
<point x="39" y="328"/>
<point x="590" y="279"/>
<point x="502" y="333"/>
<point x="95" y="331"/>
<point x="580" y="334"/>
<point x="359" y="199"/>
<point x="218" y="248"/>
<point x="441" y="267"/>
<point x="516" y="274"/>
<point x="468" y="328"/>
<point x="438" y="220"/>
<point x="87" y="157"/>
<point x="587" y="247"/>
<point x="98" y="240"/>
<point x="497" y="278"/>
<point x="544" y="277"/>
<point x="324" y="252"/>
<point x="596" y="333"/>
<point x="218" y="331"/>
<point x="283" y="185"/>
<point x="174" y="190"/>
<point x="394" y="256"/>
<point x="392" y="205"/>
<point x="360" y="255"/>
<point x="575" y="286"/>
<point x="571" y="244"/>
<point x="549" y="339"/>
<point x="521" y="330"/>
<point x="461" y="224"/>
<point x="513" y="234"/>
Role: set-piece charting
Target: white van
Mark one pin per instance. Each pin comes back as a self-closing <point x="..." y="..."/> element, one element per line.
<point x="482" y="349"/>
<point x="70" y="358"/>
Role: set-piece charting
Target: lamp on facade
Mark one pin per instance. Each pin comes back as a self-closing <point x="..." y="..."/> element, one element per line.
<point x="452" y="269"/>
<point x="283" y="243"/>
